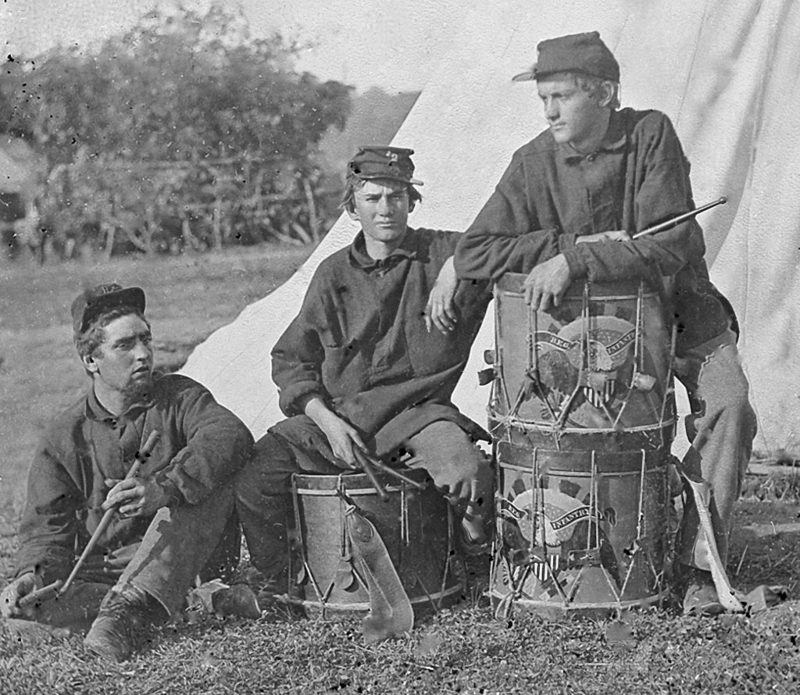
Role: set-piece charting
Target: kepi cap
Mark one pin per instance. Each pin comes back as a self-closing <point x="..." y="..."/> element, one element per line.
<point x="90" y="303"/>
<point x="584" y="53"/>
<point x="382" y="162"/>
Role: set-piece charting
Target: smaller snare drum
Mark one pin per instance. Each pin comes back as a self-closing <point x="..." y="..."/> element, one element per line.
<point x="415" y="526"/>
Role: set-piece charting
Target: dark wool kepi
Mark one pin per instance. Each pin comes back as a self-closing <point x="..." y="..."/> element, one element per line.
<point x="584" y="53"/>
<point x="383" y="162"/>
<point x="92" y="302"/>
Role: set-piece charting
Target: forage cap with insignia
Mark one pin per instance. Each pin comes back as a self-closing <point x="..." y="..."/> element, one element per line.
<point x="382" y="162"/>
<point x="93" y="301"/>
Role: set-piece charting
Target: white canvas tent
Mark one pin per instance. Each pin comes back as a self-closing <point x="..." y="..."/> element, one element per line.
<point x="728" y="74"/>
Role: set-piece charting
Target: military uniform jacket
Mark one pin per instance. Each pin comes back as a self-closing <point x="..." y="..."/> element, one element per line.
<point x="360" y="341"/>
<point x="550" y="195"/>
<point x="201" y="445"/>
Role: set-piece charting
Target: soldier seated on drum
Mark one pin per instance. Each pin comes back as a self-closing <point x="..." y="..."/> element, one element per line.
<point x="170" y="517"/>
<point x="370" y="363"/>
<point x="599" y="174"/>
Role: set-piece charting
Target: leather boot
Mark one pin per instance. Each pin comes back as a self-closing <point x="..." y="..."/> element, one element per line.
<point x="122" y="611"/>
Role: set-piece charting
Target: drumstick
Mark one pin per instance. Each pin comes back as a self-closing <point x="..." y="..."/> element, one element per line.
<point x="366" y="464"/>
<point x="109" y="515"/>
<point x="380" y="465"/>
<point x="56" y="588"/>
<point x="680" y="218"/>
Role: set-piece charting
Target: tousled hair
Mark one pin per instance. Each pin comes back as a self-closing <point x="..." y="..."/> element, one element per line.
<point x="95" y="335"/>
<point x="592" y="85"/>
<point x="353" y="184"/>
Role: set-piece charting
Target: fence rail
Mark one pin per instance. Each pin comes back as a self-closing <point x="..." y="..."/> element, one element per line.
<point x="115" y="206"/>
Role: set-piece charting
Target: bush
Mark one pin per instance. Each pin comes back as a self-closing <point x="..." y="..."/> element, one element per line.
<point x="186" y="132"/>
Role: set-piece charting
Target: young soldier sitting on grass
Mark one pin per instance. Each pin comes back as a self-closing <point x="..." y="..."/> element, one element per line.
<point x="360" y="368"/>
<point x="171" y="516"/>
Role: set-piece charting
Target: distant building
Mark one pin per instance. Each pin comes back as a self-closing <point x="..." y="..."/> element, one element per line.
<point x="21" y="170"/>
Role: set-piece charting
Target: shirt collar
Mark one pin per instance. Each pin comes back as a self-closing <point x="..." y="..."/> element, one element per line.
<point x="96" y="411"/>
<point x="361" y="259"/>
<point x="615" y="139"/>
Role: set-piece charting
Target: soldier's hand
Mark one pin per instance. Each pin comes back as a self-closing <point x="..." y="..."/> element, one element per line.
<point x="546" y="283"/>
<point x="461" y="490"/>
<point x="440" y="311"/>
<point x="136" y="496"/>
<point x="616" y="235"/>
<point x="341" y="435"/>
<point x="21" y="586"/>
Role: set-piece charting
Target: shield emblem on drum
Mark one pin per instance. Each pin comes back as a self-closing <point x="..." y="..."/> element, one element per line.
<point x="554" y="534"/>
<point x="551" y="525"/>
<point x="599" y="351"/>
<point x="546" y="527"/>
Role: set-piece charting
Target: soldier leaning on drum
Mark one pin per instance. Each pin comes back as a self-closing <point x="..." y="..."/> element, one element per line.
<point x="599" y="174"/>
<point x="370" y="363"/>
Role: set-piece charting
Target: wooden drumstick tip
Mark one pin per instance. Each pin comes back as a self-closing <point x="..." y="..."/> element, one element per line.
<point x="366" y="465"/>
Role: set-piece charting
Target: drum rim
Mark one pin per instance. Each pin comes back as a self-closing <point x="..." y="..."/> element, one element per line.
<point x="365" y="606"/>
<point x="509" y="285"/>
<point x="549" y="428"/>
<point x="533" y="604"/>
<point x="324" y="483"/>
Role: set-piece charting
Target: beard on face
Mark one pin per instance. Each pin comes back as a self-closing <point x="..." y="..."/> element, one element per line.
<point x="138" y="390"/>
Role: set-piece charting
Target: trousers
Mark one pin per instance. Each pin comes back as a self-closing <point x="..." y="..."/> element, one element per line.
<point x="721" y="428"/>
<point x="179" y="545"/>
<point x="263" y="488"/>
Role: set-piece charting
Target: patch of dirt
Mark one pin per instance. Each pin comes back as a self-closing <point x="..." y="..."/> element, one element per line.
<point x="752" y="512"/>
<point x="765" y="546"/>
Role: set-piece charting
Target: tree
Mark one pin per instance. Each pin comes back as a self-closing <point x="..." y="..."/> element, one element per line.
<point x="176" y="133"/>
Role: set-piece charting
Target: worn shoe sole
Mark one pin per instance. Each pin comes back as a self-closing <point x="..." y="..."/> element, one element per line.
<point x="701" y="600"/>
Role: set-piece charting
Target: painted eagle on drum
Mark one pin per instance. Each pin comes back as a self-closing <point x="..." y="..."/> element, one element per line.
<point x="600" y="349"/>
<point x="549" y="526"/>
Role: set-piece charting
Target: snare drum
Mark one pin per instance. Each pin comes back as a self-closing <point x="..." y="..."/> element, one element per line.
<point x="583" y="417"/>
<point x="416" y="527"/>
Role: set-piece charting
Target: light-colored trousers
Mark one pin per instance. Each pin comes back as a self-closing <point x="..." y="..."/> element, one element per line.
<point x="721" y="429"/>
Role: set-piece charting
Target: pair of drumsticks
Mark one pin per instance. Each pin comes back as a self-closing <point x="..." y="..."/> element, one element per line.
<point x="371" y="463"/>
<point x="59" y="588"/>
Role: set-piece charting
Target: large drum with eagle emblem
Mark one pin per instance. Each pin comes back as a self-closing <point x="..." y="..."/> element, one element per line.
<point x="582" y="414"/>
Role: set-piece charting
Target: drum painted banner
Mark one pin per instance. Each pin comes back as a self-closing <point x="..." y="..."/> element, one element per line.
<point x="582" y="414"/>
<point x="416" y="528"/>
<point x="599" y="361"/>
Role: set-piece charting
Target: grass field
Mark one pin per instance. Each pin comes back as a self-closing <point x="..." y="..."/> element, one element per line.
<point x="188" y="298"/>
<point x="465" y="649"/>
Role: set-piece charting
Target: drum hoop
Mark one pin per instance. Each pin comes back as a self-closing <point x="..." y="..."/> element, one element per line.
<point x="581" y="474"/>
<point x="595" y="297"/>
<point x="552" y="429"/>
<point x="312" y="492"/>
<point x="609" y="605"/>
<point x="362" y="606"/>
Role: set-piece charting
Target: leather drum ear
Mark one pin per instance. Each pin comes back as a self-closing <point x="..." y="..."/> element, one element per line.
<point x="390" y="611"/>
